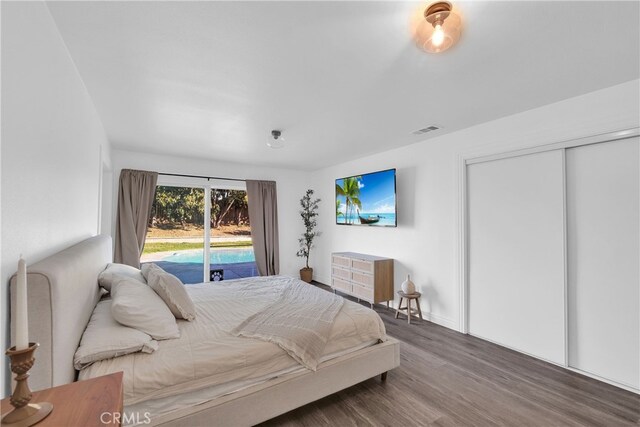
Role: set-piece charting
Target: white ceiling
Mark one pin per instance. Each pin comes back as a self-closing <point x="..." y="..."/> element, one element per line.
<point x="341" y="79"/>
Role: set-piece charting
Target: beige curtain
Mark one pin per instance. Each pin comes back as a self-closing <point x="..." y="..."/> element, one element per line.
<point x="263" y="216"/>
<point x="135" y="198"/>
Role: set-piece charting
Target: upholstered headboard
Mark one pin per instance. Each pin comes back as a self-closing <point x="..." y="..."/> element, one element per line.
<point x="62" y="291"/>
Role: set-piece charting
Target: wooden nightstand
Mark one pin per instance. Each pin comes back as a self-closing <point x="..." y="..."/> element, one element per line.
<point x="82" y="403"/>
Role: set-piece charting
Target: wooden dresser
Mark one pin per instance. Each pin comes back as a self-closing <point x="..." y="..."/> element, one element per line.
<point x="366" y="277"/>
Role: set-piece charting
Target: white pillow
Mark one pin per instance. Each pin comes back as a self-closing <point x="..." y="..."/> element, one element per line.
<point x="115" y="272"/>
<point x="171" y="290"/>
<point x="104" y="338"/>
<point x="136" y="305"/>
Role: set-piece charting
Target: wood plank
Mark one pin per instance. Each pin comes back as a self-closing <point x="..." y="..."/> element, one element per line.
<point x="81" y="403"/>
<point x="451" y="379"/>
<point x="384" y="280"/>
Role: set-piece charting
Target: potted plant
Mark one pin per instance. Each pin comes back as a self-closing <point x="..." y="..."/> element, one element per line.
<point x="308" y="214"/>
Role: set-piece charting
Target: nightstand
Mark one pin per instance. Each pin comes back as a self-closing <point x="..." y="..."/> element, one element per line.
<point x="95" y="402"/>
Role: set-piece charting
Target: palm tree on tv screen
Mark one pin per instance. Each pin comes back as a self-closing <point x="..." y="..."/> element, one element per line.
<point x="351" y="191"/>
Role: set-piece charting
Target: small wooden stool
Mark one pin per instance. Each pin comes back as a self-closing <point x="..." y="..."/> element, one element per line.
<point x="409" y="297"/>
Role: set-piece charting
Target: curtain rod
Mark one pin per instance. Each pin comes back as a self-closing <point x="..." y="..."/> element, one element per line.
<point x="200" y="176"/>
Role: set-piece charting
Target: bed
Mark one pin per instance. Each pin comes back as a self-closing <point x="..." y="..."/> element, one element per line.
<point x="63" y="291"/>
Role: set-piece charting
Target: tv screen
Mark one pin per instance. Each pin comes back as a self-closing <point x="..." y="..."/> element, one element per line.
<point x="368" y="199"/>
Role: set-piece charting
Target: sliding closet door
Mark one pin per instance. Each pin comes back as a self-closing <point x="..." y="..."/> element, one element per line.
<point x="603" y="232"/>
<point x="516" y="253"/>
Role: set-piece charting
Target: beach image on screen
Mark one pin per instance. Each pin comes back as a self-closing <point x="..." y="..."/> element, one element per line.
<point x="368" y="199"/>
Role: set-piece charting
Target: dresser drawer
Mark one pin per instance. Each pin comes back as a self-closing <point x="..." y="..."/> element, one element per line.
<point x="340" y="273"/>
<point x="362" y="292"/>
<point x="362" y="265"/>
<point x="340" y="284"/>
<point x="367" y="277"/>
<point x="362" y="279"/>
<point x="340" y="261"/>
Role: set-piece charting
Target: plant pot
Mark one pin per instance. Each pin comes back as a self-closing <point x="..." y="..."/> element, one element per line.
<point x="306" y="274"/>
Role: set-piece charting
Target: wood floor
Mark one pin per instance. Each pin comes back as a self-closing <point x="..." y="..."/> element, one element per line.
<point x="450" y="379"/>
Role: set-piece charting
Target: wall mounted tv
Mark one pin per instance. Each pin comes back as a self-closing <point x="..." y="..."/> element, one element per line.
<point x="368" y="199"/>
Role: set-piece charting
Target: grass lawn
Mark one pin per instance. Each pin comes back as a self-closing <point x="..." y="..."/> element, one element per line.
<point x="194" y="230"/>
<point x="150" y="248"/>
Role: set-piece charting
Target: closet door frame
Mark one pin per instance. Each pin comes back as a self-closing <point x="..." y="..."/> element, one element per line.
<point x="463" y="220"/>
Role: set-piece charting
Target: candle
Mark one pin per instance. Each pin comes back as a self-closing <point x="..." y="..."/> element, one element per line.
<point x="22" y="319"/>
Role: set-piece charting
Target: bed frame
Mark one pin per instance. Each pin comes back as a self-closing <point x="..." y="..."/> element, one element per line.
<point x="62" y="292"/>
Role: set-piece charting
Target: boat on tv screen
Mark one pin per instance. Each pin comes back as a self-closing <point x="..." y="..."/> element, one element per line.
<point x="368" y="199"/>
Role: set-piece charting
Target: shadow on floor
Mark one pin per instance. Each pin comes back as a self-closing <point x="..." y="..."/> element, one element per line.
<point x="191" y="272"/>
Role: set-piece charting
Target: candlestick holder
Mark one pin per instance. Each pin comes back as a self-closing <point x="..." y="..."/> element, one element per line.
<point x="25" y="414"/>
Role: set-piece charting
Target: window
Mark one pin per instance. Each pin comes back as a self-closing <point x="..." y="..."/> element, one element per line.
<point x="200" y="232"/>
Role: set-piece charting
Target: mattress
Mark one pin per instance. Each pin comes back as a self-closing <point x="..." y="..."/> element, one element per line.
<point x="208" y="362"/>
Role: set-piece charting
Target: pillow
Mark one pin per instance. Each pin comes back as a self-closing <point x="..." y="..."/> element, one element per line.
<point x="115" y="272"/>
<point x="136" y="305"/>
<point x="104" y="338"/>
<point x="171" y="290"/>
<point x="145" y="269"/>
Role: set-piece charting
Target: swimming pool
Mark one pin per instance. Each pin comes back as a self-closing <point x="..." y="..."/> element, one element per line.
<point x="217" y="256"/>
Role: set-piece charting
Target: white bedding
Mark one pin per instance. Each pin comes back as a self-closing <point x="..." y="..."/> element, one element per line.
<point x="164" y="407"/>
<point x="299" y="322"/>
<point x="206" y="356"/>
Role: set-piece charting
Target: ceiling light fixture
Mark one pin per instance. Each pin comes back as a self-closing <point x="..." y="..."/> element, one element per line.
<point x="440" y="28"/>
<point x="277" y="140"/>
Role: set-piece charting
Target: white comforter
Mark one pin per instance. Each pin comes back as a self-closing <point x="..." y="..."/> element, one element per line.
<point x="207" y="354"/>
<point x="299" y="322"/>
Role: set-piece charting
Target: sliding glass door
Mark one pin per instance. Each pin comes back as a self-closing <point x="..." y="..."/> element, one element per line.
<point x="200" y="232"/>
<point x="176" y="232"/>
<point x="231" y="246"/>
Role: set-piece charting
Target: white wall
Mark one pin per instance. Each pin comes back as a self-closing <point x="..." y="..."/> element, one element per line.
<point x="51" y="168"/>
<point x="51" y="142"/>
<point x="291" y="185"/>
<point x="426" y="241"/>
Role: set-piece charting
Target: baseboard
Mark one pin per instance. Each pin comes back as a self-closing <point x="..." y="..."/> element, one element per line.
<point x="322" y="280"/>
<point x="561" y="365"/>
<point x="435" y="318"/>
<point x="604" y="380"/>
<point x="442" y="321"/>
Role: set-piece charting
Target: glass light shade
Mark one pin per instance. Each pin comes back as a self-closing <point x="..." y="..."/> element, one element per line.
<point x="428" y="39"/>
<point x="275" y="143"/>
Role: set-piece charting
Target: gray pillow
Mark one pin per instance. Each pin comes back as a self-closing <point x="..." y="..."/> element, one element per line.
<point x="136" y="305"/>
<point x="104" y="338"/>
<point x="171" y="290"/>
<point x="115" y="272"/>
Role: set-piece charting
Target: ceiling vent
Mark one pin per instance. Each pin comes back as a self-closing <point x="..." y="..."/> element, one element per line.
<point x="426" y="130"/>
